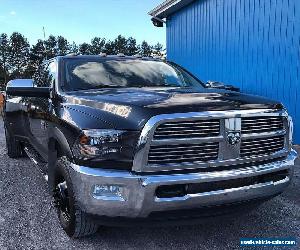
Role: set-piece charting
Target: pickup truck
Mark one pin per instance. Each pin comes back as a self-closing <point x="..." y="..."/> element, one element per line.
<point x="125" y="139"/>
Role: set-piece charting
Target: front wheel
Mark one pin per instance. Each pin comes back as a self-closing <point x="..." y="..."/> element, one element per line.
<point x="73" y="220"/>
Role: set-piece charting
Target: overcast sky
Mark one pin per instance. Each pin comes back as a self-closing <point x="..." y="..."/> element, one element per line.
<point x="80" y="20"/>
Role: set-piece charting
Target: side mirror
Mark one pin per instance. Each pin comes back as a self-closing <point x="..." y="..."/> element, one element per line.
<point x="25" y="87"/>
<point x="216" y="85"/>
<point x="220" y="85"/>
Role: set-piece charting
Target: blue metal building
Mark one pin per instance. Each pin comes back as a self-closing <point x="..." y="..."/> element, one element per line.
<point x="253" y="44"/>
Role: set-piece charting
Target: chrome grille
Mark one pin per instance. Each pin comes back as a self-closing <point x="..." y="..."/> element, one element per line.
<point x="187" y="129"/>
<point x="261" y="124"/>
<point x="201" y="140"/>
<point x="183" y="153"/>
<point x="261" y="146"/>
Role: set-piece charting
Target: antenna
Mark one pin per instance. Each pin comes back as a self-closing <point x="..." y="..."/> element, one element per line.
<point x="44" y="33"/>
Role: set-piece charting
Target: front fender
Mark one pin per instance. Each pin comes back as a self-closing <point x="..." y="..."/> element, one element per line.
<point x="56" y="138"/>
<point x="57" y="135"/>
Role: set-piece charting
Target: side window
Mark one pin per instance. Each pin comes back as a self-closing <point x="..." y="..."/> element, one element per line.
<point x="45" y="75"/>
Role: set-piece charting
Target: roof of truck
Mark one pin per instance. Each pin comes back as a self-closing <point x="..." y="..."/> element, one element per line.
<point x="110" y="57"/>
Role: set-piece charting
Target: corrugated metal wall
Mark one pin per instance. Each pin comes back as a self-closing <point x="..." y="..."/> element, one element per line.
<point x="254" y="44"/>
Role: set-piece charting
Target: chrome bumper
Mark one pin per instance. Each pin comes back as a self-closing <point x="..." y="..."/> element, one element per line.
<point x="139" y="192"/>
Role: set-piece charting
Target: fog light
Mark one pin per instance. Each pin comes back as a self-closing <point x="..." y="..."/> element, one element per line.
<point x="107" y="192"/>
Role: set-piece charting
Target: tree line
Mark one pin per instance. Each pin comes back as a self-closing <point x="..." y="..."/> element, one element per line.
<point x="19" y="59"/>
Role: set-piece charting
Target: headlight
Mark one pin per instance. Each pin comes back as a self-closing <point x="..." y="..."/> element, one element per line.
<point x="105" y="148"/>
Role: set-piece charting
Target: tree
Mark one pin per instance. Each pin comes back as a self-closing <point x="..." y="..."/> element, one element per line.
<point x="120" y="44"/>
<point x="2" y="78"/>
<point x="97" y="45"/>
<point x="37" y="56"/>
<point x="4" y="53"/>
<point x="85" y="49"/>
<point x="63" y="47"/>
<point x="145" y="49"/>
<point x="110" y="48"/>
<point x="131" y="46"/>
<point x="18" y="55"/>
<point x="157" y="49"/>
<point x="51" y="47"/>
<point x="38" y="51"/>
<point x="74" y="48"/>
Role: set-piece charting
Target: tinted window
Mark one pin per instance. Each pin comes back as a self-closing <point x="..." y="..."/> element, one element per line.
<point x="45" y="75"/>
<point x="93" y="74"/>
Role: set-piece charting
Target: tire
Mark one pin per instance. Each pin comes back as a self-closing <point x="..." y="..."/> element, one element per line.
<point x="75" y="222"/>
<point x="14" y="147"/>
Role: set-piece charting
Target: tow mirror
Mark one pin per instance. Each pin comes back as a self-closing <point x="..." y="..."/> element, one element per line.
<point x="25" y="87"/>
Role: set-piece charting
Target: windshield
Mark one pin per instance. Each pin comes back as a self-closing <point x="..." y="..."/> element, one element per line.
<point x="83" y="74"/>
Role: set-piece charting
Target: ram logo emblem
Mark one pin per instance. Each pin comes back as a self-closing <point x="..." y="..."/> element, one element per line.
<point x="233" y="137"/>
<point x="233" y="130"/>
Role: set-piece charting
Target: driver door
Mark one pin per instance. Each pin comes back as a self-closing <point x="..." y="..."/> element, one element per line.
<point x="39" y="108"/>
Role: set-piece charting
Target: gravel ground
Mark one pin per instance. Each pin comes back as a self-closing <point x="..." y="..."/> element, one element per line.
<point x="28" y="221"/>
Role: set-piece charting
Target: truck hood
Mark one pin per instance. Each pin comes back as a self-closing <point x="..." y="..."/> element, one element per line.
<point x="131" y="108"/>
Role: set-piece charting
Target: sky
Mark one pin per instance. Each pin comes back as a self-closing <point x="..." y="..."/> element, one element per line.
<point x="81" y="20"/>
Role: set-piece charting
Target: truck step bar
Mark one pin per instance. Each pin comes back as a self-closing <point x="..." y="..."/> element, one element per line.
<point x="35" y="157"/>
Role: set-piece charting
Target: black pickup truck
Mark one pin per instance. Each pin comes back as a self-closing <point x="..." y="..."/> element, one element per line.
<point x="123" y="138"/>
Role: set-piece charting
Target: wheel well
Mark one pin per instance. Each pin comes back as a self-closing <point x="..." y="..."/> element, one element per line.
<point x="56" y="150"/>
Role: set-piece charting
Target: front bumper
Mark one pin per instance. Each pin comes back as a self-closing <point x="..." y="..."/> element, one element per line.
<point x="139" y="198"/>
